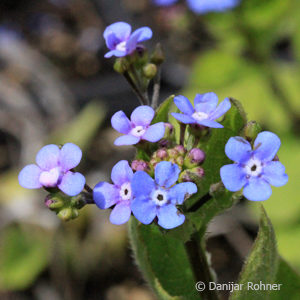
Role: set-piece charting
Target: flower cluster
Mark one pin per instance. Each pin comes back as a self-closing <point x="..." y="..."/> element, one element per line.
<point x="203" y="6"/>
<point x="154" y="188"/>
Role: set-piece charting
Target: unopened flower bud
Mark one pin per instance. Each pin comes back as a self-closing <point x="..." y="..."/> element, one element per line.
<point x="185" y="176"/>
<point x="158" y="55"/>
<point x="162" y="154"/>
<point x="66" y="214"/>
<point x="194" y="157"/>
<point x="139" y="165"/>
<point x="180" y="149"/>
<point x="54" y="201"/>
<point x="251" y="130"/>
<point x="198" y="171"/>
<point x="173" y="153"/>
<point x="149" y="70"/>
<point x="179" y="161"/>
<point x="121" y="65"/>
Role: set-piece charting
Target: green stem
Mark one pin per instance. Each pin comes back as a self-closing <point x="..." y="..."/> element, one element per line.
<point x="140" y="96"/>
<point x="200" y="267"/>
<point x="156" y="89"/>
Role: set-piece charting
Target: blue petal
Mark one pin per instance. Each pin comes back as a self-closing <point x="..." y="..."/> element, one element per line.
<point x="47" y="158"/>
<point x="169" y="217"/>
<point x="120" y="122"/>
<point x="210" y="123"/>
<point x="223" y="107"/>
<point x="206" y="6"/>
<point x="166" y="173"/>
<point x="138" y="36"/>
<point x="121" y="30"/>
<point x="105" y="195"/>
<point x="116" y="53"/>
<point x="70" y="156"/>
<point x="182" y="191"/>
<point x="144" y="210"/>
<point x="154" y="132"/>
<point x="257" y="189"/>
<point x="184" y="118"/>
<point x="72" y="183"/>
<point x="238" y="149"/>
<point x="233" y="177"/>
<point x="127" y="139"/>
<point x="142" y="115"/>
<point x="206" y="102"/>
<point x="121" y="173"/>
<point x="164" y="2"/>
<point x="121" y="213"/>
<point x="184" y="105"/>
<point x="274" y="173"/>
<point x="112" y="41"/>
<point x="266" y="144"/>
<point x="29" y="177"/>
<point x="142" y="184"/>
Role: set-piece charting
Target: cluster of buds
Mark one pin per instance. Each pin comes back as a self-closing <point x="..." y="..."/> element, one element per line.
<point x="189" y="162"/>
<point x="66" y="208"/>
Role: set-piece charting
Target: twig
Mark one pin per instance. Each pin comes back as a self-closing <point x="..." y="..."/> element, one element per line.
<point x="140" y="96"/>
<point x="156" y="89"/>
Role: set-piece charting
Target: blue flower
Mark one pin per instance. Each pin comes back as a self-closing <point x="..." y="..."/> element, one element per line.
<point x="118" y="194"/>
<point x="53" y="170"/>
<point x="254" y="169"/>
<point x="203" y="6"/>
<point x="138" y="128"/>
<point x="159" y="197"/>
<point x="205" y="112"/>
<point x="121" y="41"/>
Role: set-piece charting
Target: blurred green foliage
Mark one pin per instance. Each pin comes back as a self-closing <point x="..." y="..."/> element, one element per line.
<point x="246" y="65"/>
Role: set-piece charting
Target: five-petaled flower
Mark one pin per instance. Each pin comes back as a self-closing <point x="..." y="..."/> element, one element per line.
<point x="203" y="6"/>
<point x="206" y="110"/>
<point x="254" y="169"/>
<point x="138" y="128"/>
<point x="53" y="169"/>
<point x="118" y="194"/>
<point x="159" y="197"/>
<point x="121" y="41"/>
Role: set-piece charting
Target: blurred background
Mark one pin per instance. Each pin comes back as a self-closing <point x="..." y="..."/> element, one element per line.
<point x="56" y="87"/>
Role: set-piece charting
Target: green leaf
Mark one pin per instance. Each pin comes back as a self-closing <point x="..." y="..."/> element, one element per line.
<point x="162" y="112"/>
<point x="289" y="280"/>
<point x="24" y="253"/>
<point x="261" y="265"/>
<point x="163" y="261"/>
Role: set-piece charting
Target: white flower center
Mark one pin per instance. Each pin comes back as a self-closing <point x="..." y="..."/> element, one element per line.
<point x="121" y="46"/>
<point x="253" y="167"/>
<point x="50" y="178"/>
<point x="125" y="191"/>
<point x="159" y="197"/>
<point x="199" y="115"/>
<point x="138" y="131"/>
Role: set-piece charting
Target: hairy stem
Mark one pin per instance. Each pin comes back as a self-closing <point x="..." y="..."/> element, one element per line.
<point x="138" y="93"/>
<point x="200" y="267"/>
<point x="156" y="89"/>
